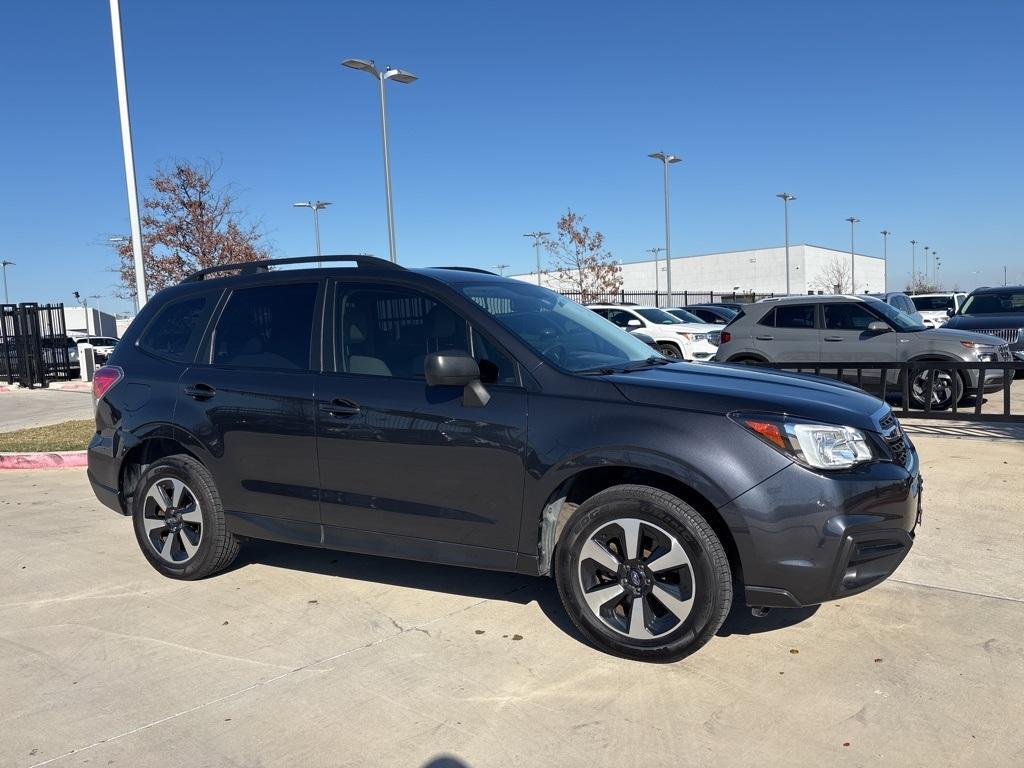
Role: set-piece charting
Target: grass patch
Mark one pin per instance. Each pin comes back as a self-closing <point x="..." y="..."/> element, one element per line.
<point x="66" y="436"/>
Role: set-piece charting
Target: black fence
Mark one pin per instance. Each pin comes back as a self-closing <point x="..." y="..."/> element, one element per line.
<point x="34" y="345"/>
<point x="662" y="299"/>
<point x="934" y="389"/>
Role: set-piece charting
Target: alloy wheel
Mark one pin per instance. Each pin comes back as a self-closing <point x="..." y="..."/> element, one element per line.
<point x="636" y="578"/>
<point x="172" y="520"/>
<point x="942" y="388"/>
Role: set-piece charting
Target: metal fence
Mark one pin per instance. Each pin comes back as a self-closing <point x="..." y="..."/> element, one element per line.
<point x="891" y="380"/>
<point x="662" y="299"/>
<point x="34" y="345"/>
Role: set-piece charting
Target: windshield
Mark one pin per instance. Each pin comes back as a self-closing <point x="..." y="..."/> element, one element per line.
<point x="995" y="303"/>
<point x="562" y="331"/>
<point x="932" y="303"/>
<point x="659" y="316"/>
<point x="685" y="316"/>
<point x="901" y="321"/>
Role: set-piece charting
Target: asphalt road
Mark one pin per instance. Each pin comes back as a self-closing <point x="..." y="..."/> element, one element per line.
<point x="39" y="407"/>
<point x="298" y="657"/>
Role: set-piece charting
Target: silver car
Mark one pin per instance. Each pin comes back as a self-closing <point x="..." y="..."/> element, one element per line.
<point x="819" y="330"/>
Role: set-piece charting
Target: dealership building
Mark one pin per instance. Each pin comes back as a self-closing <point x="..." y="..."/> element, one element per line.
<point x="812" y="269"/>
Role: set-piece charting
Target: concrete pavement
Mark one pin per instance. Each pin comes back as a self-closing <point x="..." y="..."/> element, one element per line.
<point x="21" y="409"/>
<point x="303" y="657"/>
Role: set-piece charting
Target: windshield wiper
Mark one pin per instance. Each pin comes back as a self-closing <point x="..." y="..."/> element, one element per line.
<point x="646" y="364"/>
<point x="607" y="370"/>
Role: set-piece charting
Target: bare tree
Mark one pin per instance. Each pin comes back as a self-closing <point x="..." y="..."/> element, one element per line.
<point x="579" y="262"/>
<point x="919" y="284"/>
<point x="188" y="224"/>
<point x="834" y="277"/>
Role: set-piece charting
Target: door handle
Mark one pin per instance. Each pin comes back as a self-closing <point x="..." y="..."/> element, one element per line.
<point x="833" y="338"/>
<point x="340" y="407"/>
<point x="765" y="338"/>
<point x="200" y="391"/>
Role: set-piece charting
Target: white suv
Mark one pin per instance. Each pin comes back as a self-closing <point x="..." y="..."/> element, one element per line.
<point x="933" y="307"/>
<point x="673" y="337"/>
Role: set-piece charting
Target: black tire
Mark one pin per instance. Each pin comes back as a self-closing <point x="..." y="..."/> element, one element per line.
<point x="670" y="350"/>
<point x="213" y="546"/>
<point x="953" y="393"/>
<point x="706" y="579"/>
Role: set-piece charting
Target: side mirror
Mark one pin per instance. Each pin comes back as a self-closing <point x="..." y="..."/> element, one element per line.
<point x="454" y="369"/>
<point x="634" y="323"/>
<point x="879" y="327"/>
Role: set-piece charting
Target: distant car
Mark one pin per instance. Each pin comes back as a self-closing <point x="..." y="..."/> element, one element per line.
<point x="935" y="307"/>
<point x="103" y="346"/>
<point x="903" y="303"/>
<point x="714" y="334"/>
<point x="994" y="311"/>
<point x="676" y="339"/>
<point x="852" y="329"/>
<point x="717" y="314"/>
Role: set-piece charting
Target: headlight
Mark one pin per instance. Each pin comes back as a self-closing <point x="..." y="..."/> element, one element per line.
<point x="685" y="335"/>
<point x="822" y="446"/>
<point x="700" y="337"/>
<point x="986" y="352"/>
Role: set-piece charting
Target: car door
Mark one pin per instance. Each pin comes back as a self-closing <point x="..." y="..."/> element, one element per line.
<point x="408" y="468"/>
<point x="788" y="334"/>
<point x="249" y="407"/>
<point x="845" y="338"/>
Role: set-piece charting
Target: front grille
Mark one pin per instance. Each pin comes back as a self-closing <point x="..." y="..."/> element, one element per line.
<point x="893" y="435"/>
<point x="1009" y="335"/>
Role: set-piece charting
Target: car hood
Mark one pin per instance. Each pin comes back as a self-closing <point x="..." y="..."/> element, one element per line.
<point x="1005" y="320"/>
<point x="947" y="334"/>
<point x="723" y="388"/>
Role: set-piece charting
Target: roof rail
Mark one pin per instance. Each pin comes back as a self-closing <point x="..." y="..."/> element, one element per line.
<point x="468" y="269"/>
<point x="362" y="260"/>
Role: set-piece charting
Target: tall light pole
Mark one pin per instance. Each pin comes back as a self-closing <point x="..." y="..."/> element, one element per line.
<point x="316" y="207"/>
<point x="657" y="289"/>
<point x="885" y="258"/>
<point x="129" y="155"/>
<point x="937" y="263"/>
<point x="786" y="197"/>
<point x="666" y="161"/>
<point x="537" y="238"/>
<point x="400" y="76"/>
<point x="853" y="256"/>
<point x="913" y="266"/>
<point x="5" y="264"/>
<point x="926" y="249"/>
<point x="501" y="268"/>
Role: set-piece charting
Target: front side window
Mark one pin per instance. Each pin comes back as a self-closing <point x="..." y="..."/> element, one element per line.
<point x="175" y="331"/>
<point x="622" y="318"/>
<point x="384" y="331"/>
<point x="266" y="327"/>
<point x="848" y="317"/>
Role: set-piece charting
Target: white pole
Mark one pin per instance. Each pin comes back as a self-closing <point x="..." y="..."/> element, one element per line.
<point x="129" y="158"/>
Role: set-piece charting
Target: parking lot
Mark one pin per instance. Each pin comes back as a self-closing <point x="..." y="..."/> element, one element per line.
<point x="303" y="657"/>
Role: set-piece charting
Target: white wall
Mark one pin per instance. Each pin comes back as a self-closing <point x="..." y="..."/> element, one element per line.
<point x="99" y="323"/>
<point x="759" y="270"/>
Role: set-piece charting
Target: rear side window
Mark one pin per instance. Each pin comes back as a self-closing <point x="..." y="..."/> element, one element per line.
<point x="800" y="316"/>
<point x="175" y="331"/>
<point x="266" y="327"/>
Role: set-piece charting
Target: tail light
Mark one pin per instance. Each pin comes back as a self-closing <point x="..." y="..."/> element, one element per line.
<point x="104" y="378"/>
<point x="726" y="337"/>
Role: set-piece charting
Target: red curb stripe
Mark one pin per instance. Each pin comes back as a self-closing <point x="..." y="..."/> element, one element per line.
<point x="55" y="460"/>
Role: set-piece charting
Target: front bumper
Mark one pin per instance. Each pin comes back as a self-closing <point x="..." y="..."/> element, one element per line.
<point x="703" y="350"/>
<point x="806" y="537"/>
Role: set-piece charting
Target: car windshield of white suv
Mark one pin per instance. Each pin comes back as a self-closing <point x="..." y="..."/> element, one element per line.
<point x="996" y="303"/>
<point x="659" y="316"/>
<point x="901" y="321"/>
<point x="569" y="335"/>
<point x="933" y="303"/>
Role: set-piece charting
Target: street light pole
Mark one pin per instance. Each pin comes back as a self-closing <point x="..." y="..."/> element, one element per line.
<point x="316" y="207"/>
<point x="935" y="271"/>
<point x="786" y="197"/>
<point x="913" y="266"/>
<point x="853" y="257"/>
<point x="926" y="249"/>
<point x="501" y="268"/>
<point x="401" y="76"/>
<point x="129" y="155"/>
<point x="657" y="288"/>
<point x="5" y="264"/>
<point x="537" y="237"/>
<point x="885" y="258"/>
<point x="666" y="161"/>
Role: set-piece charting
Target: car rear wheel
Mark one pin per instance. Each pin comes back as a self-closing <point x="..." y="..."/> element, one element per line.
<point x="642" y="574"/>
<point x="671" y="350"/>
<point x="179" y="521"/>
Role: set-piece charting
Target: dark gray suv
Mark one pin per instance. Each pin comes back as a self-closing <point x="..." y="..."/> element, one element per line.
<point x="454" y="416"/>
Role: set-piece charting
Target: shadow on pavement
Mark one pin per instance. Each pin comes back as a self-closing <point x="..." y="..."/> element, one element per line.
<point x="486" y="585"/>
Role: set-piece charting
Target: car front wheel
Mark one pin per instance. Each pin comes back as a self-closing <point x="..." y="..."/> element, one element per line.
<point x="642" y="574"/>
<point x="671" y="350"/>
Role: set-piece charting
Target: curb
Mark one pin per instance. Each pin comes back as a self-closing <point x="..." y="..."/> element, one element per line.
<point x="56" y="460"/>
<point x="71" y="386"/>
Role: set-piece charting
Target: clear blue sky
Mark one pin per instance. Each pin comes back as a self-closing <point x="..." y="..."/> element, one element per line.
<point x="908" y="115"/>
